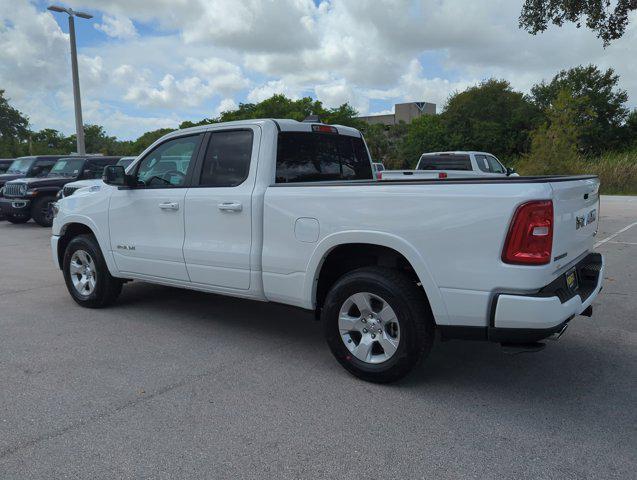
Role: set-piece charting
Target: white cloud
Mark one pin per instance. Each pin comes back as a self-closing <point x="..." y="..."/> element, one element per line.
<point x="117" y="27"/>
<point x="260" y="93"/>
<point x="206" y="56"/>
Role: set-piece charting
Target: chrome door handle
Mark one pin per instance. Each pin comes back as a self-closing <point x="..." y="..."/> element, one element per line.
<point x="230" y="207"/>
<point x="169" y="206"/>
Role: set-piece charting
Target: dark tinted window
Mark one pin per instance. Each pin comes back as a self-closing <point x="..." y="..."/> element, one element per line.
<point x="42" y="167"/>
<point x="444" y="162"/>
<point x="307" y="157"/>
<point x="94" y="168"/>
<point x="4" y="166"/>
<point x="227" y="160"/>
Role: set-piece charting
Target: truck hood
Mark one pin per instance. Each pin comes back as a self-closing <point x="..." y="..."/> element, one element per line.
<point x="7" y="177"/>
<point x="45" y="182"/>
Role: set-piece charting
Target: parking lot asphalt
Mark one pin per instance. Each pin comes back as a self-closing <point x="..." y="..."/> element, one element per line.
<point x="171" y="383"/>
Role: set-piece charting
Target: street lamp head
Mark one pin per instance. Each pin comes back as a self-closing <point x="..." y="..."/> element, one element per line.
<point x="55" y="8"/>
<point x="72" y="13"/>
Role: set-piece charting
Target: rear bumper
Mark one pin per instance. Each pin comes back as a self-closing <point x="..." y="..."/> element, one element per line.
<point x="528" y="318"/>
<point x="14" y="207"/>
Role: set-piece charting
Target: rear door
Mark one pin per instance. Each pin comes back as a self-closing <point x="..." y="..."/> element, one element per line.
<point x="147" y="222"/>
<point x="218" y="213"/>
<point x="576" y="212"/>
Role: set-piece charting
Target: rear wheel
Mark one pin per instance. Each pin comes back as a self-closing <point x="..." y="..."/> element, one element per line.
<point x="42" y="211"/>
<point x="86" y="275"/>
<point x="18" y="220"/>
<point x="378" y="323"/>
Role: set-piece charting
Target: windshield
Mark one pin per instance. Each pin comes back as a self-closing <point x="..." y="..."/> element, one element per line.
<point x="67" y="167"/>
<point x="21" y="166"/>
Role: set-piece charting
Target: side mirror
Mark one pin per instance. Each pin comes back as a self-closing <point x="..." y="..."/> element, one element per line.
<point x="510" y="171"/>
<point x="116" y="175"/>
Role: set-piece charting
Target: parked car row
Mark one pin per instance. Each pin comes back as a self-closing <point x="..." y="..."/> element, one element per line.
<point x="30" y="185"/>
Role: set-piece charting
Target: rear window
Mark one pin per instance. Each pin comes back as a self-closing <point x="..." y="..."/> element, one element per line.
<point x="315" y="157"/>
<point x="444" y="162"/>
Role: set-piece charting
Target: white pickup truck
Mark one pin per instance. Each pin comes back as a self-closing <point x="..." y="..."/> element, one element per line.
<point x="289" y="212"/>
<point x="452" y="165"/>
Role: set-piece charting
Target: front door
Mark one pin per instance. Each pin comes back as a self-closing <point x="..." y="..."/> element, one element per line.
<point x="218" y="216"/>
<point x="147" y="222"/>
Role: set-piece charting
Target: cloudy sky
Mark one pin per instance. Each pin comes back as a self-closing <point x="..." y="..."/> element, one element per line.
<point x="146" y="64"/>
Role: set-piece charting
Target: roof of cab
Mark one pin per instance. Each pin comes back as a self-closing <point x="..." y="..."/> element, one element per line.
<point x="457" y="152"/>
<point x="283" y="124"/>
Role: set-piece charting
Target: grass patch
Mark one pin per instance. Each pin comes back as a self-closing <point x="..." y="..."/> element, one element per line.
<point x="617" y="171"/>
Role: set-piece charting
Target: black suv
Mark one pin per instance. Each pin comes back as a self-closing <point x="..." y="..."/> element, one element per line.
<point x="32" y="197"/>
<point x="35" y="166"/>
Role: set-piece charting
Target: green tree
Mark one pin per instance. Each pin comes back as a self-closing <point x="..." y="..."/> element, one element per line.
<point x="630" y="129"/>
<point x="279" y="106"/>
<point x="609" y="23"/>
<point x="14" y="129"/>
<point x="554" y="145"/>
<point x="424" y="134"/>
<point x="144" y="141"/>
<point x="492" y="117"/>
<point x="598" y="92"/>
<point x="97" y="141"/>
<point x="50" y="142"/>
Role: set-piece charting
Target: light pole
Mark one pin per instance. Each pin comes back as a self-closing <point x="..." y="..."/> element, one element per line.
<point x="79" y="125"/>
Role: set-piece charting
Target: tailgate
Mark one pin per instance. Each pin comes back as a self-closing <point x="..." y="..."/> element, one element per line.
<point x="576" y="212"/>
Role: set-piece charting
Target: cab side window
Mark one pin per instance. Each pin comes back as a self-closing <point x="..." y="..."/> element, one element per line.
<point x="168" y="164"/>
<point x="495" y="165"/>
<point x="41" y="168"/>
<point x="227" y="160"/>
<point x="483" y="163"/>
<point x="93" y="169"/>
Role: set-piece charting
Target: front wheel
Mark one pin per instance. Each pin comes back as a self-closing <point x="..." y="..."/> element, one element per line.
<point x="378" y="323"/>
<point x="42" y="211"/>
<point x="86" y="275"/>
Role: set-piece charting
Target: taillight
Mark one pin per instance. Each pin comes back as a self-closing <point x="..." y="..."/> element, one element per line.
<point x="379" y="175"/>
<point x="442" y="175"/>
<point x="530" y="237"/>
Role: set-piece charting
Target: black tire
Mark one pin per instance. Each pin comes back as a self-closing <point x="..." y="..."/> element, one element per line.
<point x="18" y="220"/>
<point x="411" y="307"/>
<point x="41" y="211"/>
<point x="107" y="288"/>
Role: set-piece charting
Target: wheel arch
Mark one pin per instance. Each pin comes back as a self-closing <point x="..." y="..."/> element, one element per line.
<point x="357" y="248"/>
<point x="79" y="226"/>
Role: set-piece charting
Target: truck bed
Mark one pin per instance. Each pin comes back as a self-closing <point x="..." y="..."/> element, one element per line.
<point x="442" y="181"/>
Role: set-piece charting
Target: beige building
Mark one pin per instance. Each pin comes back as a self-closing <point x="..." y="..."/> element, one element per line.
<point x="403" y="112"/>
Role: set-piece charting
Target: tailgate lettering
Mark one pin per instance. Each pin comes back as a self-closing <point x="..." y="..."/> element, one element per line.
<point x="581" y="222"/>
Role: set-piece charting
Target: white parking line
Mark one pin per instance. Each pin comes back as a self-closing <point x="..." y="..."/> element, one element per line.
<point x="610" y="237"/>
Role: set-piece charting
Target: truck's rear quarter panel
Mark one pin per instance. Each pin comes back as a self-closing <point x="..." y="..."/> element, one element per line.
<point x="456" y="231"/>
